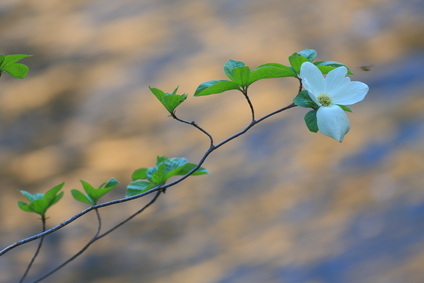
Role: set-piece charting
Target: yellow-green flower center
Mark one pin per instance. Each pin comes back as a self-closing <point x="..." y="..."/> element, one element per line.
<point x="324" y="99"/>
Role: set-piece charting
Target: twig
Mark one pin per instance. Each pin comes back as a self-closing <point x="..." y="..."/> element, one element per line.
<point x="252" y="110"/>
<point x="98" y="236"/>
<point x="43" y="221"/>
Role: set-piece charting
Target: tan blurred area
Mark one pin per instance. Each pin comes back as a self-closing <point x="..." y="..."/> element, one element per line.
<point x="281" y="204"/>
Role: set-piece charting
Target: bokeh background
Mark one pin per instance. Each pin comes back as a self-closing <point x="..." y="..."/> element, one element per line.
<point x="281" y="204"/>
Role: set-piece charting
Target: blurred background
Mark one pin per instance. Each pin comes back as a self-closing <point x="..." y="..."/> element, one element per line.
<point x="281" y="204"/>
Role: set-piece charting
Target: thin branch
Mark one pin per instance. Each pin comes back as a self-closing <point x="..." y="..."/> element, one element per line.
<point x="203" y="158"/>
<point x="99" y="227"/>
<point x="97" y="236"/>
<point x="43" y="221"/>
<point x="300" y="84"/>
<point x="252" y="110"/>
<point x="194" y="124"/>
<point x="132" y="216"/>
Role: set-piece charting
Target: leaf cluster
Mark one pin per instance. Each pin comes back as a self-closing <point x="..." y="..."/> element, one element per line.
<point x="241" y="77"/>
<point x="93" y="195"/>
<point x="169" y="100"/>
<point x="144" y="179"/>
<point x="38" y="202"/>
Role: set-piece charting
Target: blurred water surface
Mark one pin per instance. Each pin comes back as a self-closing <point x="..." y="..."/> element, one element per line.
<point x="281" y="204"/>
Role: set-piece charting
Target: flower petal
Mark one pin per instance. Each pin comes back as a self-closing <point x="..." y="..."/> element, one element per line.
<point x="350" y="93"/>
<point x="312" y="79"/>
<point x="333" y="122"/>
<point x="335" y="79"/>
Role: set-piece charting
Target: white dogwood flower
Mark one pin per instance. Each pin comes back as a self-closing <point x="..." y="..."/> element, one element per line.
<point x="330" y="92"/>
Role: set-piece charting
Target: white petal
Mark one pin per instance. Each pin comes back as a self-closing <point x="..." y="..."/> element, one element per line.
<point x="312" y="78"/>
<point x="350" y="93"/>
<point x="313" y="96"/>
<point x="333" y="122"/>
<point x="335" y="79"/>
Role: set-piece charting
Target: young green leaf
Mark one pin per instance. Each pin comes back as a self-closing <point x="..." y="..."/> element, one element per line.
<point x="81" y="197"/>
<point x="190" y="166"/>
<point x="304" y="100"/>
<point x="311" y="121"/>
<point x="39" y="203"/>
<point x="160" y="159"/>
<point x="139" y="174"/>
<point x="296" y="60"/>
<point x="212" y="87"/>
<point x="173" y="166"/>
<point x="93" y="195"/>
<point x="241" y="76"/>
<point x="158" y="175"/>
<point x="11" y="59"/>
<point x="170" y="101"/>
<point x="138" y="187"/>
<point x="309" y="54"/>
<point x="327" y="66"/>
<point x="18" y="71"/>
<point x="230" y="66"/>
<point x="270" y="70"/>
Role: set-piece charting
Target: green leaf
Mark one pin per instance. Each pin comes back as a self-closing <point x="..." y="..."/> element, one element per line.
<point x="303" y="99"/>
<point x="149" y="173"/>
<point x="170" y="101"/>
<point x="241" y="76"/>
<point x="111" y="183"/>
<point x="173" y="166"/>
<point x="311" y="121"/>
<point x="173" y="101"/>
<point x="327" y="66"/>
<point x="81" y="197"/>
<point x="160" y="159"/>
<point x="93" y="195"/>
<point x="87" y="187"/>
<point x="39" y="203"/>
<point x="270" y="70"/>
<point x="31" y="197"/>
<point x="139" y="174"/>
<point x="345" y="108"/>
<point x="296" y="60"/>
<point x="138" y="187"/>
<point x="1" y="59"/>
<point x="158" y="175"/>
<point x="165" y="168"/>
<point x="190" y="166"/>
<point x="11" y="59"/>
<point x="17" y="70"/>
<point x="230" y="66"/>
<point x="212" y="87"/>
<point x="309" y="54"/>
<point x="24" y="206"/>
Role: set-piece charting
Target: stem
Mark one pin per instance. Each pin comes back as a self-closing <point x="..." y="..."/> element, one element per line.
<point x="99" y="221"/>
<point x="300" y="84"/>
<point x="132" y="216"/>
<point x="250" y="104"/>
<point x="97" y="236"/>
<point x="194" y="125"/>
<point x="43" y="221"/>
